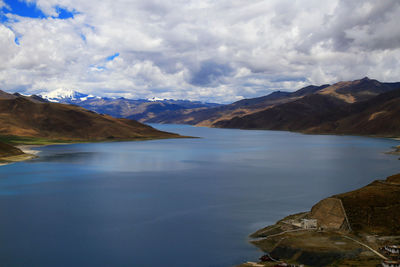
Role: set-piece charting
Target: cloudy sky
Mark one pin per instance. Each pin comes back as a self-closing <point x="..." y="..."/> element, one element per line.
<point x="208" y="50"/>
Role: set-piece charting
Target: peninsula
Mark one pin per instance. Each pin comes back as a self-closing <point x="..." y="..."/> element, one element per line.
<point x="349" y="229"/>
<point x="30" y="120"/>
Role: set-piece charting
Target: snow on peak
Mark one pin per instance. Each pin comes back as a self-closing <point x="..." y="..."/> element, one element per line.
<point x="155" y="99"/>
<point x="63" y="94"/>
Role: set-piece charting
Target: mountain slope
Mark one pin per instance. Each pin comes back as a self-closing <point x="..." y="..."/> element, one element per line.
<point x="21" y="116"/>
<point x="374" y="208"/>
<point x="209" y="116"/>
<point x="348" y="92"/>
<point x="377" y="116"/>
<point x="358" y="90"/>
<point x="298" y="115"/>
<point x="9" y="150"/>
<point x="332" y="112"/>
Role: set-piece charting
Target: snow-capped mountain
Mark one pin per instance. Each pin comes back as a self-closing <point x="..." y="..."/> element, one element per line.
<point x="138" y="109"/>
<point x="153" y="99"/>
<point x="65" y="96"/>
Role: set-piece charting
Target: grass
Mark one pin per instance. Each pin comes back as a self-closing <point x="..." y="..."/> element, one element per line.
<point x="25" y="140"/>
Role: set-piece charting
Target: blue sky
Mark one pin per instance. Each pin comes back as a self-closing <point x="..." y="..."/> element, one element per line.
<point x="218" y="51"/>
<point x="110" y="58"/>
<point x="31" y="10"/>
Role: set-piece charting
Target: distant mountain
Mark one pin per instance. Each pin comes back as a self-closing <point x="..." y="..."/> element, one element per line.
<point x="210" y="116"/>
<point x="139" y="109"/>
<point x="365" y="107"/>
<point x="336" y="108"/>
<point x="297" y="115"/>
<point x="358" y="90"/>
<point x="346" y="92"/>
<point x="32" y="117"/>
<point x="65" y="96"/>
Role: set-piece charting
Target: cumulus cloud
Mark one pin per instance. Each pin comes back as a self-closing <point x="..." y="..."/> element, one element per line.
<point x="202" y="50"/>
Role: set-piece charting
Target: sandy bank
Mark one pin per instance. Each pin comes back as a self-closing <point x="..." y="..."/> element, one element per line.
<point x="17" y="158"/>
<point x="28" y="149"/>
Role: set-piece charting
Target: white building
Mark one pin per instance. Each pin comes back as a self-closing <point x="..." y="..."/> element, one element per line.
<point x="393" y="249"/>
<point x="391" y="264"/>
<point x="309" y="223"/>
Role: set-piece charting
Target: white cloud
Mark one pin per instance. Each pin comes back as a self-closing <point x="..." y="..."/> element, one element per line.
<point x="205" y="50"/>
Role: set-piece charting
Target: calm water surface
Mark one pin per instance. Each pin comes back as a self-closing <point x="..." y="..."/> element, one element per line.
<point x="182" y="202"/>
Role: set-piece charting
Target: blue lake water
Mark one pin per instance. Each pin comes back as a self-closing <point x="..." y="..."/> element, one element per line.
<point x="177" y="202"/>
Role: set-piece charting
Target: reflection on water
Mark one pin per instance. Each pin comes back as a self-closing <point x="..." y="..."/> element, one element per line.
<point x="165" y="202"/>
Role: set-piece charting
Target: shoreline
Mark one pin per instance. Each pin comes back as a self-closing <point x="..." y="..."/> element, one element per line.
<point x="27" y="149"/>
<point x="395" y="150"/>
<point x="29" y="153"/>
<point x="342" y="230"/>
<point x="396" y="138"/>
<point x="18" y="158"/>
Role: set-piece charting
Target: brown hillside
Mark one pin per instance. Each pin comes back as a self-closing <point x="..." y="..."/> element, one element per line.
<point x="348" y="92"/>
<point x="327" y="114"/>
<point x="358" y="90"/>
<point x="378" y="116"/>
<point x="394" y="179"/>
<point x="374" y="208"/>
<point x="210" y="116"/>
<point x="330" y="215"/>
<point x="22" y="116"/>
<point x="8" y="150"/>
<point x="298" y="115"/>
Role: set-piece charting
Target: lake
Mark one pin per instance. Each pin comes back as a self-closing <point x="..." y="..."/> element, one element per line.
<point x="176" y="202"/>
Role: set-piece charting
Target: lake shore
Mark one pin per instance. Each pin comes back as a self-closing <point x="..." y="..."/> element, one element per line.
<point x="26" y="145"/>
<point x="395" y="151"/>
<point x="14" y="159"/>
<point x="346" y="230"/>
<point x="28" y="154"/>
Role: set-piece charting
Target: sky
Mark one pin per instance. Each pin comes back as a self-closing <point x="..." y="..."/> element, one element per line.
<point x="208" y="50"/>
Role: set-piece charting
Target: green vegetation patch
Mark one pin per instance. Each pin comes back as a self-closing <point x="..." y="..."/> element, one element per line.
<point x="26" y="140"/>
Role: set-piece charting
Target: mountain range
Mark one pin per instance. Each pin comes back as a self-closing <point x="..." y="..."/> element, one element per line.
<point x="137" y="109"/>
<point x="361" y="107"/>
